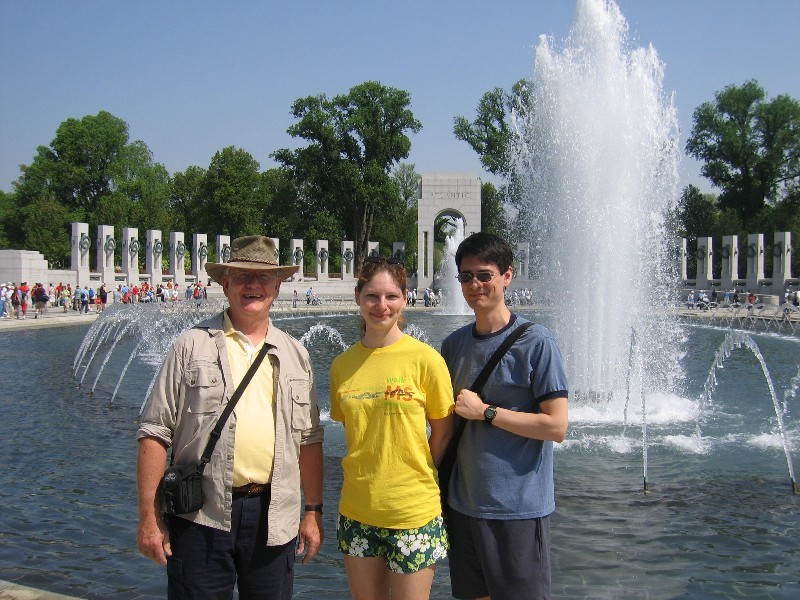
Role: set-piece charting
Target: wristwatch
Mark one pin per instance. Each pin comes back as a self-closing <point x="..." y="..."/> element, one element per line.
<point x="489" y="414"/>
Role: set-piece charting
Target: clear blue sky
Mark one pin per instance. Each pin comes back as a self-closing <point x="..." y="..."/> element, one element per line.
<point x="191" y="78"/>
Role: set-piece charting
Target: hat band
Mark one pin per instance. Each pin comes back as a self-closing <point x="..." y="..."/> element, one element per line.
<point x="258" y="262"/>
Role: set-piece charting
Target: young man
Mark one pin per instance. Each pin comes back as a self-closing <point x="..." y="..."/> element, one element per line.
<point x="501" y="491"/>
<point x="246" y="533"/>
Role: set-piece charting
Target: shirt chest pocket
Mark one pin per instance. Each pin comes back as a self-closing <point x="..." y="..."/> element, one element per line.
<point x="299" y="390"/>
<point x="204" y="390"/>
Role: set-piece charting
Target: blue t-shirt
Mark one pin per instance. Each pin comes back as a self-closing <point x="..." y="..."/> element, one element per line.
<point x="498" y="474"/>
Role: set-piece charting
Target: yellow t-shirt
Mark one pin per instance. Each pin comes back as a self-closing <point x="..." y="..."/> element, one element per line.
<point x="384" y="397"/>
<point x="254" y="446"/>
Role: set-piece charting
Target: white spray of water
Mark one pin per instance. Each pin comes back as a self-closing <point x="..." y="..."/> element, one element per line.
<point x="598" y="155"/>
<point x="453" y="300"/>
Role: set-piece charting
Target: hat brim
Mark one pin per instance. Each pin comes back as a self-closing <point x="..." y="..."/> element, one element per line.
<point x="216" y="271"/>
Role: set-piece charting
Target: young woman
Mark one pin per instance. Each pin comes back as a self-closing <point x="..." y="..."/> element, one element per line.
<point x="386" y="390"/>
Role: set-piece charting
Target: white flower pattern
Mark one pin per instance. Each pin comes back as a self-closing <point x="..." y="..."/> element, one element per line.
<point x="405" y="550"/>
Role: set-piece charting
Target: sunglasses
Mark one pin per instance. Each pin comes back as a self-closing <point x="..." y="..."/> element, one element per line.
<point x="260" y="278"/>
<point x="482" y="276"/>
<point x="376" y="260"/>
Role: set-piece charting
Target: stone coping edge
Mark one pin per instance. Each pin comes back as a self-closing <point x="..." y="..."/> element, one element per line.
<point x="14" y="591"/>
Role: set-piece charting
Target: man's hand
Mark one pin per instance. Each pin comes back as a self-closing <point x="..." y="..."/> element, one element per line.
<point x="469" y="405"/>
<point x="152" y="539"/>
<point x="310" y="536"/>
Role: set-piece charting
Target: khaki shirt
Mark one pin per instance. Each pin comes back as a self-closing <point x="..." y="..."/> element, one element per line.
<point x="190" y="392"/>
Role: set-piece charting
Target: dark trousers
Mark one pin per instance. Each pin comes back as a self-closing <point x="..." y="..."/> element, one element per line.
<point x="207" y="562"/>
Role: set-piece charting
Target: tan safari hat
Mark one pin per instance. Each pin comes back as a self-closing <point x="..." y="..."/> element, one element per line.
<point x="256" y="252"/>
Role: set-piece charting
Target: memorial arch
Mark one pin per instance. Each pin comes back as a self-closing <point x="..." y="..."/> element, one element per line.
<point x="442" y="195"/>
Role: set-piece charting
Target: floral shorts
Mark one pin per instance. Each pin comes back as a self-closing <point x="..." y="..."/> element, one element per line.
<point x="405" y="550"/>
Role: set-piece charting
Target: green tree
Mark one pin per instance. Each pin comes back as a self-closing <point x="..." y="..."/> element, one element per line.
<point x="281" y="213"/>
<point x="750" y="147"/>
<point x="492" y="137"/>
<point x="493" y="215"/>
<point x="145" y="186"/>
<point x="398" y="223"/>
<point x="489" y="134"/>
<point x="47" y="228"/>
<point x="8" y="220"/>
<point x="96" y="175"/>
<point x="407" y="181"/>
<point x="698" y="213"/>
<point x="353" y="142"/>
<point x="233" y="197"/>
<point x="79" y="165"/>
<point x="187" y="198"/>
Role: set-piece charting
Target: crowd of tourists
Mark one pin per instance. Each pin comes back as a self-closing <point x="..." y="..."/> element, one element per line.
<point x="16" y="300"/>
<point x="733" y="298"/>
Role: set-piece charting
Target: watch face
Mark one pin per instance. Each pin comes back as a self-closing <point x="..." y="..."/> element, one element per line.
<point x="489" y="414"/>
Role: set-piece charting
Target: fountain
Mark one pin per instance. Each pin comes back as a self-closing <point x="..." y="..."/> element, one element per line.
<point x="452" y="299"/>
<point x="597" y="153"/>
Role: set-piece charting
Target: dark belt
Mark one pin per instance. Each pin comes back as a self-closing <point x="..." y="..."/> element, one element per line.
<point x="251" y="489"/>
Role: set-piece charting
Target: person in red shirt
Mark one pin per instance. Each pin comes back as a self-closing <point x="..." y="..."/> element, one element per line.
<point x="24" y="298"/>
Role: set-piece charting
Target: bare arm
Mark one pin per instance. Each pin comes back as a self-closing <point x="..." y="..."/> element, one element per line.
<point x="152" y="537"/>
<point x="311" y="532"/>
<point x="441" y="434"/>
<point x="549" y="425"/>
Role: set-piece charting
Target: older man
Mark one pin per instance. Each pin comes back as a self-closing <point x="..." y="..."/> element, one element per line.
<point x="246" y="533"/>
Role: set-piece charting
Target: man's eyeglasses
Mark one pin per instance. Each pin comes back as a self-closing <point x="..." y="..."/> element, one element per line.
<point x="260" y="278"/>
<point x="380" y="259"/>
<point x="482" y="276"/>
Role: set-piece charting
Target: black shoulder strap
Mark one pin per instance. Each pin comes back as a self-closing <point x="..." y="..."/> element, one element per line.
<point x="483" y="376"/>
<point x="217" y="431"/>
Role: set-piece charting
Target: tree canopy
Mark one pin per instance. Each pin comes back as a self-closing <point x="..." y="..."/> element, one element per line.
<point x="348" y="181"/>
<point x="90" y="172"/>
<point x="492" y="137"/>
<point x="232" y="199"/>
<point x="750" y="147"/>
<point x="354" y="140"/>
<point x="489" y="134"/>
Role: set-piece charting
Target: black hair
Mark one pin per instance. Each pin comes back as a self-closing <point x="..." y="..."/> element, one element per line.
<point x="488" y="248"/>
